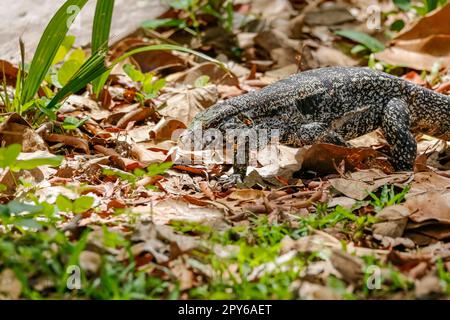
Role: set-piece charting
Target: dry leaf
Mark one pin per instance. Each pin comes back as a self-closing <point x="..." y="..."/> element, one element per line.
<point x="423" y="44"/>
<point x="183" y="105"/>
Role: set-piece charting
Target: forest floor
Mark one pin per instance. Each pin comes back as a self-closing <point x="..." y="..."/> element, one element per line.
<point x="126" y="216"/>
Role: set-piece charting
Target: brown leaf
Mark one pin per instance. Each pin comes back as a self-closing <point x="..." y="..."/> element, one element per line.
<point x="328" y="16"/>
<point x="423" y="44"/>
<point x="168" y="210"/>
<point x="9" y="72"/>
<point x="184" y="104"/>
<point x="433" y="205"/>
<point x="394" y="222"/>
<point x="10" y="286"/>
<point x="165" y="129"/>
<point x="325" y="158"/>
<point x="145" y="156"/>
<point x="14" y="129"/>
<point x="359" y="184"/>
<point x="72" y="141"/>
<point x="137" y="115"/>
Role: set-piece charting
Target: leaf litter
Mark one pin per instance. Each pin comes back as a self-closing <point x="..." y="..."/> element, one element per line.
<point x="322" y="219"/>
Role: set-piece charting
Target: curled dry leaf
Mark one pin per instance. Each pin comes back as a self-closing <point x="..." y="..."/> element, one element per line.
<point x="184" y="104"/>
<point x="166" y="129"/>
<point x="145" y="156"/>
<point x="358" y="184"/>
<point x="325" y="158"/>
<point x="167" y="210"/>
<point x="77" y="143"/>
<point x="394" y="220"/>
<point x="140" y="114"/>
<point x="423" y="44"/>
<point x="15" y="130"/>
<point x="81" y="103"/>
<point x="434" y="205"/>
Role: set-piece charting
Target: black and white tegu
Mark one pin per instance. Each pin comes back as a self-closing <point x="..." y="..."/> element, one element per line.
<point x="336" y="104"/>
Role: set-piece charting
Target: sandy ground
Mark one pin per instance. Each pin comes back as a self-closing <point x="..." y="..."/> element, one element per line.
<point x="28" y="18"/>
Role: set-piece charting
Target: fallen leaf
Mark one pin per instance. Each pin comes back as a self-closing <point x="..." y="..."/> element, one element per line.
<point x="184" y="104"/>
<point x="72" y="141"/>
<point x="423" y="44"/>
<point x="433" y="205"/>
<point x="168" y="210"/>
<point x="15" y="130"/>
<point x="394" y="220"/>
<point x="10" y="285"/>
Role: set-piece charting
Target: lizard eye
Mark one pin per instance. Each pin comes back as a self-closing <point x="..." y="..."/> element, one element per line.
<point x="246" y="120"/>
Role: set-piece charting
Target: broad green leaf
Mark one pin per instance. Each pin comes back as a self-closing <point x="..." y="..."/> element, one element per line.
<point x="358" y="49"/>
<point x="8" y="155"/>
<point x="48" y="46"/>
<point x="158" y="168"/>
<point x="16" y="207"/>
<point x="82" y="204"/>
<point x="397" y="25"/>
<point x="67" y="70"/>
<point x="78" y="55"/>
<point x="94" y="67"/>
<point x="370" y="42"/>
<point x="72" y="123"/>
<point x="37" y="162"/>
<point x="133" y="73"/>
<point x="404" y="5"/>
<point x="151" y="89"/>
<point x="28" y="223"/>
<point x="65" y="47"/>
<point x="119" y="173"/>
<point x="64" y="204"/>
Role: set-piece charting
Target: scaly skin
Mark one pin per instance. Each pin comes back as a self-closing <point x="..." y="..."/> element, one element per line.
<point x="337" y="104"/>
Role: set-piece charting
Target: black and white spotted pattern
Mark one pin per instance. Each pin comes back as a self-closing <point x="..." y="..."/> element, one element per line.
<point x="337" y="104"/>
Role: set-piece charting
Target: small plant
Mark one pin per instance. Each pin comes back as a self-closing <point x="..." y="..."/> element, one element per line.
<point x="9" y="159"/>
<point x="77" y="206"/>
<point x="365" y="42"/>
<point x="388" y="197"/>
<point x="149" y="86"/>
<point x="222" y="10"/>
<point x="151" y="171"/>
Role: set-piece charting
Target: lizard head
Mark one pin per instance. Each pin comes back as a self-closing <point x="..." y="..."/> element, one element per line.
<point x="214" y="123"/>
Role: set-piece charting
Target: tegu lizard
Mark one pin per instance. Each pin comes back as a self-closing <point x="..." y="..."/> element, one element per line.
<point x="336" y="104"/>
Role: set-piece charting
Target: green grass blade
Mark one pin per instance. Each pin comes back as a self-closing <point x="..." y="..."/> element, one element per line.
<point x="48" y="46"/>
<point x="93" y="68"/>
<point x="155" y="47"/>
<point x="370" y="42"/>
<point x="101" y="31"/>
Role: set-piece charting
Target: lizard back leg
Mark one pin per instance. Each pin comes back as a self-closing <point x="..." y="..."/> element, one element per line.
<point x="396" y="128"/>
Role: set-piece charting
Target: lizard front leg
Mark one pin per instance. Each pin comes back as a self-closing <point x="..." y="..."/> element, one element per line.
<point x="395" y="124"/>
<point x="314" y="132"/>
